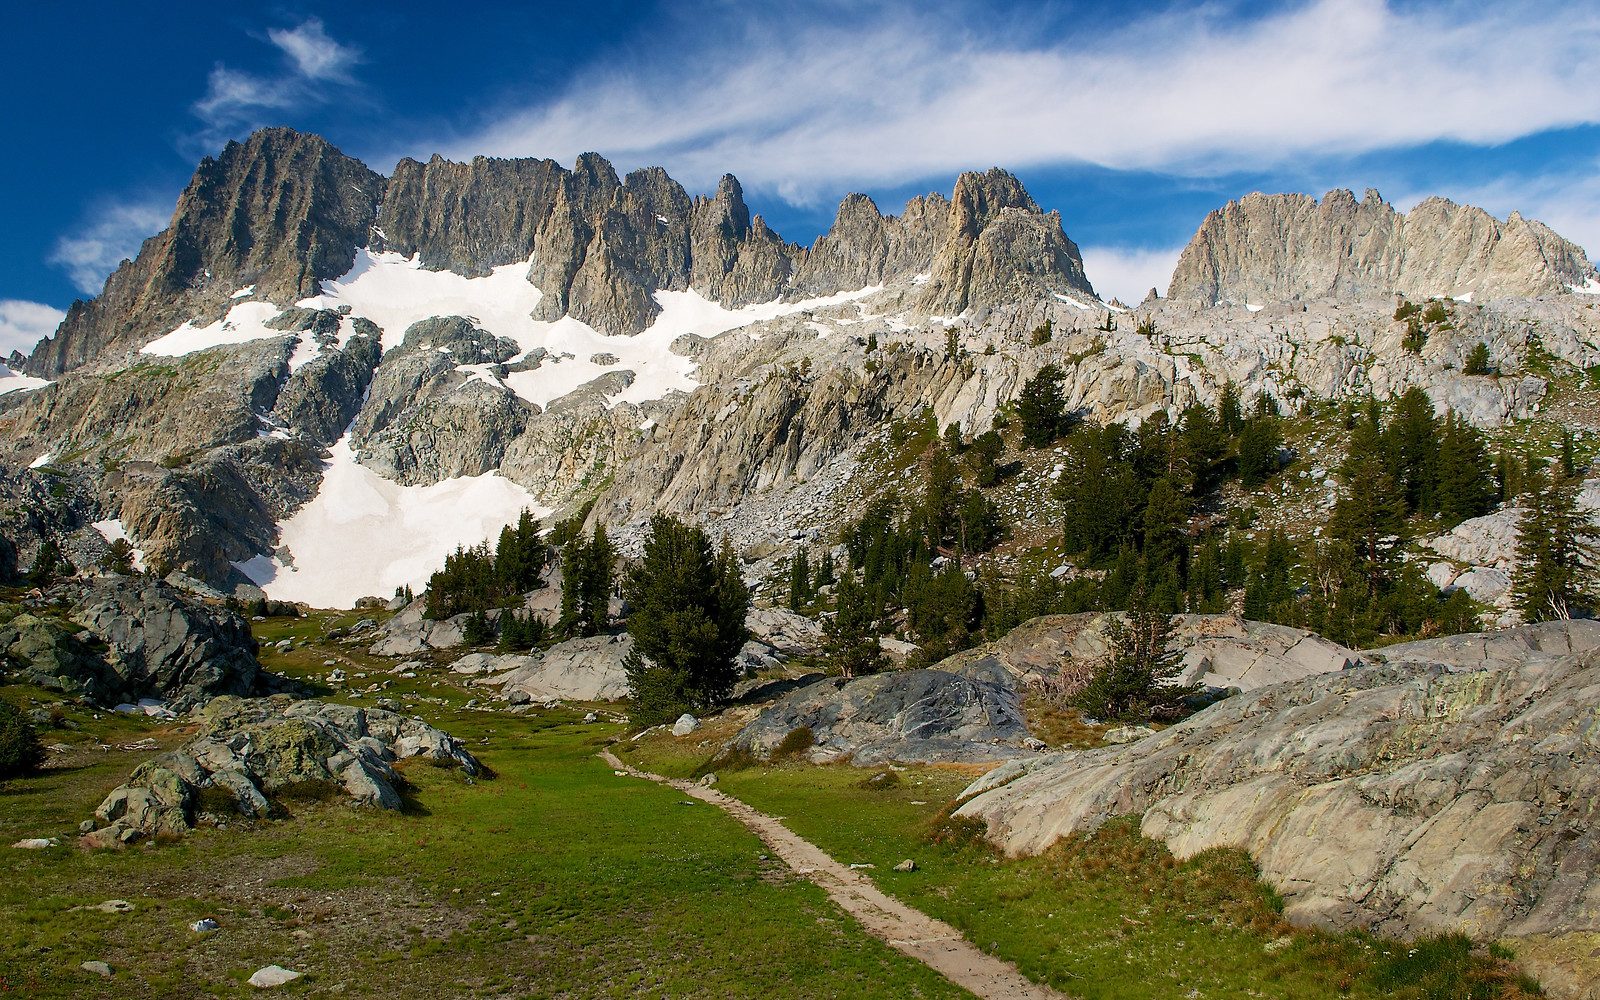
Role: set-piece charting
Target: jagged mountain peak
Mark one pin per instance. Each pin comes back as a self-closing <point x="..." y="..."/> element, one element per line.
<point x="282" y="211"/>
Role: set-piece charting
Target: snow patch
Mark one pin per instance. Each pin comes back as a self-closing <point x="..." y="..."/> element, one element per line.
<point x="365" y="535"/>
<point x="921" y="279"/>
<point x="244" y="322"/>
<point x="1463" y="298"/>
<point x="1254" y="309"/>
<point x="395" y="292"/>
<point x="305" y="352"/>
<point x="111" y="531"/>
<point x="1589" y="287"/>
<point x="1069" y="300"/>
<point x="244" y="292"/>
<point x="42" y="460"/>
<point x="11" y="381"/>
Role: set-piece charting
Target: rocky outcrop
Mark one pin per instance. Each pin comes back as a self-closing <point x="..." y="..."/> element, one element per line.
<point x="324" y="395"/>
<point x="1442" y="790"/>
<point x="909" y="716"/>
<point x="583" y="669"/>
<point x="279" y="211"/>
<point x="254" y="750"/>
<point x="133" y="638"/>
<point x="1267" y="248"/>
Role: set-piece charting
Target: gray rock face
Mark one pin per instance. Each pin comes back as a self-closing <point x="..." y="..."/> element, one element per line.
<point x="324" y="396"/>
<point x="158" y="645"/>
<point x="1267" y="248"/>
<point x="1219" y="651"/>
<point x="167" y="646"/>
<point x="584" y="669"/>
<point x="279" y="211"/>
<point x="1439" y="793"/>
<point x="911" y="716"/>
<point x="256" y="748"/>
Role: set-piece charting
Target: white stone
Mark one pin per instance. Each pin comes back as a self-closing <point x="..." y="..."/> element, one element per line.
<point x="685" y="725"/>
<point x="273" y="975"/>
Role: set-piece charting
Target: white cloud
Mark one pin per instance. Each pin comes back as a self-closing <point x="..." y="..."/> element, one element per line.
<point x="315" y="55"/>
<point x="915" y="94"/>
<point x="113" y="235"/>
<point x="238" y="101"/>
<point x="23" y="324"/>
<point x="1129" y="274"/>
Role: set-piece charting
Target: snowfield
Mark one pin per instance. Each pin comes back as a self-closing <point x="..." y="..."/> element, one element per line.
<point x="364" y="535"/>
<point x="111" y="531"/>
<point x="244" y="322"/>
<point x="11" y="381"/>
<point x="395" y="292"/>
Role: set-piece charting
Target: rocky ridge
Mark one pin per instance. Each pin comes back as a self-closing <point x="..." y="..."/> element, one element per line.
<point x="1267" y="248"/>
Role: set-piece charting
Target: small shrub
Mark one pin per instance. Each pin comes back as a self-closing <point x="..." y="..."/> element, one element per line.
<point x="310" y="790"/>
<point x="1042" y="333"/>
<point x="20" y="750"/>
<point x="880" y="782"/>
<point x="1436" y="313"/>
<point x="1146" y="328"/>
<point x="956" y="831"/>
<point x="217" y="799"/>
<point x="798" y="741"/>
<point x="1478" y="360"/>
<point x="1405" y="310"/>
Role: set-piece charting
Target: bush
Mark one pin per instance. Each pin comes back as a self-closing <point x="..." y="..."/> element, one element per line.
<point x="1478" y="360"/>
<point x="798" y="741"/>
<point x="20" y="750"/>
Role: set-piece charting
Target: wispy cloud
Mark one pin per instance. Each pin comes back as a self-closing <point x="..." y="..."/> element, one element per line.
<point x="23" y="324"/>
<point x="1128" y="274"/>
<point x="237" y="101"/>
<point x="910" y="93"/>
<point x="112" y="234"/>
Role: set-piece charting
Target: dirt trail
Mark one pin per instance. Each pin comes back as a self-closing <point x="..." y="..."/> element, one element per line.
<point x="932" y="942"/>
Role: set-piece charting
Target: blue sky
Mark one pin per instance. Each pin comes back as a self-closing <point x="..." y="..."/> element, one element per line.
<point x="1132" y="119"/>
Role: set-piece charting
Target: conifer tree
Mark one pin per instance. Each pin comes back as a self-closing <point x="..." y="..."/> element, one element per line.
<point x="1556" y="552"/>
<point x="799" y="580"/>
<point x="687" y="621"/>
<point x="848" y="642"/>
<point x="1041" y="408"/>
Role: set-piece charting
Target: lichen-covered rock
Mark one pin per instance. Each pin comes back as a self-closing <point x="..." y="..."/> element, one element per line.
<point x="256" y="748"/>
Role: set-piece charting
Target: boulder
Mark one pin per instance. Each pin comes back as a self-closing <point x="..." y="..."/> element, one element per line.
<point x="685" y="725"/>
<point x="1442" y="790"/>
<point x="273" y="975"/>
<point x="409" y="633"/>
<point x="911" y="716"/>
<point x="786" y="631"/>
<point x="256" y="748"/>
<point x="586" y="669"/>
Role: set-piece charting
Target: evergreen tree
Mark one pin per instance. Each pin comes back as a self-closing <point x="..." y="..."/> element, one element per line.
<point x="1412" y="442"/>
<point x="825" y="576"/>
<point x="20" y="750"/>
<point x="849" y="643"/>
<point x="687" y="621"/>
<point x="1464" y="486"/>
<point x="1259" y="442"/>
<point x="1099" y="491"/>
<point x="520" y="556"/>
<point x="1556" y="552"/>
<point x="1478" y="360"/>
<point x="45" y="563"/>
<point x="943" y="609"/>
<point x="1204" y="446"/>
<point x="587" y="569"/>
<point x="983" y="454"/>
<point x="1131" y="684"/>
<point x="1230" y="415"/>
<point x="799" y="580"/>
<point x="1041" y="407"/>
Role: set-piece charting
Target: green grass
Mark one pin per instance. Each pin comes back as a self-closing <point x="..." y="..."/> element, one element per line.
<point x="1109" y="917"/>
<point x="556" y="879"/>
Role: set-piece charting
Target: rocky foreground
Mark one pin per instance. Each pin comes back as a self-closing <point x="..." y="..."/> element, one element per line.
<point x="1443" y="785"/>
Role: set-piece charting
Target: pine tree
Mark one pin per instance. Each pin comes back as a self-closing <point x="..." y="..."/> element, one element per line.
<point x="687" y="621"/>
<point x="587" y="569"/>
<point x="1478" y="360"/>
<point x="984" y="452"/>
<point x="825" y="576"/>
<point x="799" y="580"/>
<point x="1556" y="552"/>
<point x="1230" y="415"/>
<point x="849" y="643"/>
<point x="1412" y="443"/>
<point x="1041" y="408"/>
<point x="1464" y="486"/>
<point x="1132" y="683"/>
